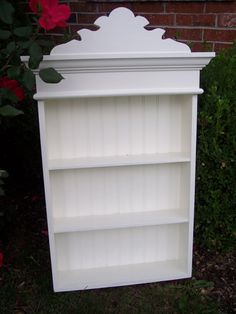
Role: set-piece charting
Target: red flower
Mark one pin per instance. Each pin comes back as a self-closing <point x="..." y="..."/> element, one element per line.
<point x="51" y="13"/>
<point x="1" y="259"/>
<point x="13" y="86"/>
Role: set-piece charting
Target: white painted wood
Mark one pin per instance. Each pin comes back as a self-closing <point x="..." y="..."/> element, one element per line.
<point x="118" y="138"/>
<point x="48" y="197"/>
<point x="99" y="191"/>
<point x="120" y="220"/>
<point x="94" y="249"/>
<point x="191" y="180"/>
<point x="121" y="275"/>
<point x="118" y="126"/>
<point x="90" y="259"/>
<point x="115" y="160"/>
<point x="116" y="92"/>
<point x="121" y="31"/>
<point x="122" y="83"/>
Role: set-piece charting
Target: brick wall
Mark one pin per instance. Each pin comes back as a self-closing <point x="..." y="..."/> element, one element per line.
<point x="204" y="25"/>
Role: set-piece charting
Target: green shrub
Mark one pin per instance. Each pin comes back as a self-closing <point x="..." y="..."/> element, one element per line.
<point x="216" y="154"/>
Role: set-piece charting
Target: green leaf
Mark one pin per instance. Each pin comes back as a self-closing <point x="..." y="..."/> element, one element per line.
<point x="50" y="75"/>
<point x="3" y="174"/>
<point x="23" y="31"/>
<point x="6" y="12"/>
<point x="2" y="193"/>
<point x="4" y="34"/>
<point x="7" y="94"/>
<point x="9" y="111"/>
<point x="16" y="60"/>
<point x="11" y="47"/>
<point x="13" y="72"/>
<point x="36" y="55"/>
<point x="24" y="44"/>
<point x="29" y="79"/>
<point x="45" y="43"/>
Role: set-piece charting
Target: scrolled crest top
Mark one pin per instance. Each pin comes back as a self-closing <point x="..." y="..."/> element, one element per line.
<point x="121" y="32"/>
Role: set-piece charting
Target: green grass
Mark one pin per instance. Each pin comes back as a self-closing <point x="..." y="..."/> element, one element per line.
<point x="38" y="297"/>
<point x="28" y="289"/>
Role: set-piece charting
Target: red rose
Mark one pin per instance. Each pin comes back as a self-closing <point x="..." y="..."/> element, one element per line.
<point x="13" y="86"/>
<point x="51" y="13"/>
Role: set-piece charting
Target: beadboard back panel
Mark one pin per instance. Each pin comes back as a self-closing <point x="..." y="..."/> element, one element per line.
<point x="133" y="246"/>
<point x="111" y="126"/>
<point x="124" y="189"/>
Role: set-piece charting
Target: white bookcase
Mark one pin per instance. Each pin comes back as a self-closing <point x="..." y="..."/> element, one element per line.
<point x="118" y="139"/>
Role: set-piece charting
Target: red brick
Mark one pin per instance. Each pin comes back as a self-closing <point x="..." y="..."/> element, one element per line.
<point x="87" y="18"/>
<point x="58" y="39"/>
<point x="107" y="7"/>
<point x="227" y="20"/>
<point x="196" y="19"/>
<point x="73" y="31"/>
<point x="220" y="46"/>
<point x="191" y="34"/>
<point x="160" y="19"/>
<point x="201" y="46"/>
<point x="148" y="7"/>
<point x="219" y="35"/>
<point x="184" y="33"/>
<point x="204" y="20"/>
<point x="183" y="7"/>
<point x="72" y="19"/>
<point x="221" y="7"/>
<point x="184" y="19"/>
<point x="75" y="28"/>
<point x="83" y="6"/>
<point x="171" y="33"/>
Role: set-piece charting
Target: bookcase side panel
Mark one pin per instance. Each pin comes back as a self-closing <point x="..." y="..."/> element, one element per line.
<point x="192" y="180"/>
<point x="186" y="120"/>
<point x="47" y="189"/>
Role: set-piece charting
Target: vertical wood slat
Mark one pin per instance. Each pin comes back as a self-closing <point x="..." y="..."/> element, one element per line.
<point x="98" y="191"/>
<point x="121" y="247"/>
<point x="117" y="126"/>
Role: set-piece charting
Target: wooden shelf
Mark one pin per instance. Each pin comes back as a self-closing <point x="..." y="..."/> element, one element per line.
<point x="111" y="221"/>
<point x="120" y="275"/>
<point x="111" y="161"/>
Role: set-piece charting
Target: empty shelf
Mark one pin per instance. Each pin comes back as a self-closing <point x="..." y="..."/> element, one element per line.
<point x="120" y="275"/>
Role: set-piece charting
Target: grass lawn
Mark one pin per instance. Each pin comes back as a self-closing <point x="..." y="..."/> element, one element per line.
<point x="26" y="287"/>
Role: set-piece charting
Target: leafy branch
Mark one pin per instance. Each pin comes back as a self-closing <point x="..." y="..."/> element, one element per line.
<point x="22" y="35"/>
